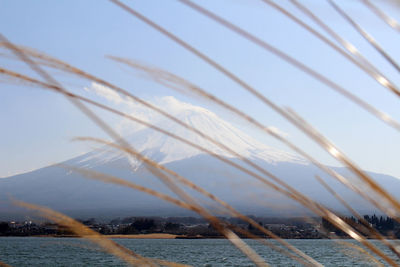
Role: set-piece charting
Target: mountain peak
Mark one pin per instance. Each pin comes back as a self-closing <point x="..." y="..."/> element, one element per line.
<point x="165" y="149"/>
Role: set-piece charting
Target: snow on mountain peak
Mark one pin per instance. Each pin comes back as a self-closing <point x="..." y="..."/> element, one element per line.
<point x="165" y="149"/>
<point x="181" y="109"/>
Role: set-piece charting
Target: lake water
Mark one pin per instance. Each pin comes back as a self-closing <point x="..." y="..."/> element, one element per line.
<point x="35" y="251"/>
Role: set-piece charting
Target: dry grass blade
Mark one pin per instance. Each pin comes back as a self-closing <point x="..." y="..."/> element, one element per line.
<point x="54" y="85"/>
<point x="369" y="39"/>
<point x="335" y="238"/>
<point x="245" y="248"/>
<point x="362" y="63"/>
<point x="357" y="236"/>
<point x="362" y="251"/>
<point x="266" y="243"/>
<point x="365" y="225"/>
<point x="115" y="180"/>
<point x="336" y="153"/>
<point x="389" y="20"/>
<point x="341" y="224"/>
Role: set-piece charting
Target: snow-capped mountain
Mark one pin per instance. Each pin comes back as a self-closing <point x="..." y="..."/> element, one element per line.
<point x="68" y="191"/>
<point x="165" y="149"/>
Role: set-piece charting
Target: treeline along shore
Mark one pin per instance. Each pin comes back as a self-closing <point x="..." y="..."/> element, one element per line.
<point x="192" y="227"/>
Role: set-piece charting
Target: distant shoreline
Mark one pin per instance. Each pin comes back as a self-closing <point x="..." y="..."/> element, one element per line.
<point x="129" y="236"/>
<point x="134" y="236"/>
<point x="144" y="236"/>
<point x="168" y="236"/>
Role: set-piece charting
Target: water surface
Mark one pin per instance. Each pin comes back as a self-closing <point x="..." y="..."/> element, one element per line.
<point x="37" y="251"/>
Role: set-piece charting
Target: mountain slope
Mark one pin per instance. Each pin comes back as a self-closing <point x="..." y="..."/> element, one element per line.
<point x="69" y="192"/>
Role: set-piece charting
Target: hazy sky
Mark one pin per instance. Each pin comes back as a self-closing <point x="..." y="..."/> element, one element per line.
<point x="37" y="126"/>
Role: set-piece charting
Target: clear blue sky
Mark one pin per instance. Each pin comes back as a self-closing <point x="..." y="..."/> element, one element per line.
<point x="37" y="126"/>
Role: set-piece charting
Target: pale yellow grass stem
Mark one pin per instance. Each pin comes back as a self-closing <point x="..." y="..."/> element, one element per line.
<point x="369" y="39"/>
<point x="389" y="20"/>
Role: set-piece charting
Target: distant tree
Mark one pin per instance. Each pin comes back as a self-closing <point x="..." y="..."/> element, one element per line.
<point x="328" y="226"/>
<point x="4" y="228"/>
<point x="90" y="221"/>
<point x="169" y="226"/>
<point x="144" y="224"/>
<point x="128" y="220"/>
<point x="115" y="221"/>
<point x="374" y="220"/>
<point x="389" y="223"/>
<point x="128" y="230"/>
